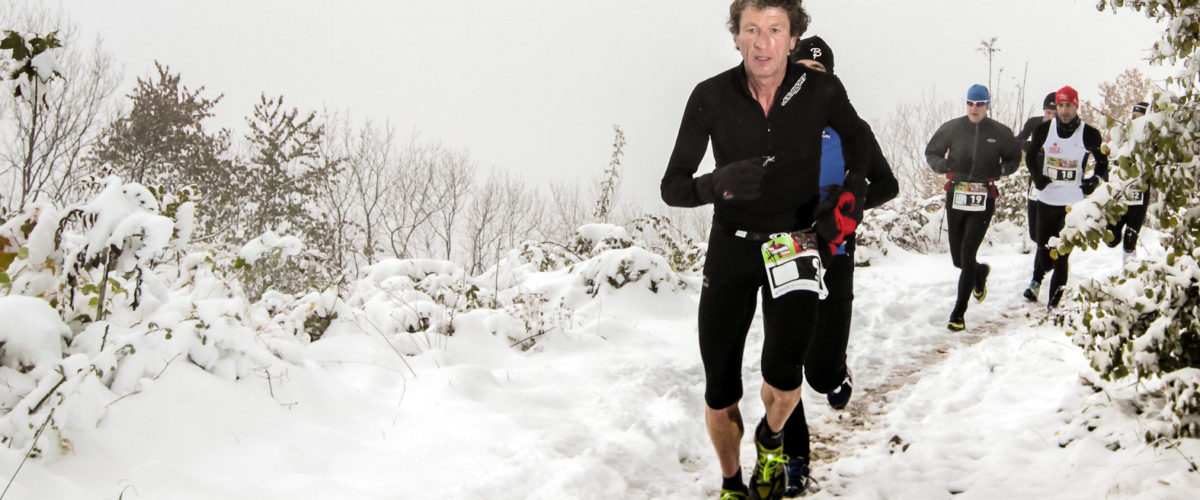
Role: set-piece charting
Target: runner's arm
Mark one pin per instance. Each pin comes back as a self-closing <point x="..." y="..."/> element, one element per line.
<point x="680" y="187"/>
<point x="1093" y="141"/>
<point x="1035" y="146"/>
<point x="1010" y="153"/>
<point x="935" y="151"/>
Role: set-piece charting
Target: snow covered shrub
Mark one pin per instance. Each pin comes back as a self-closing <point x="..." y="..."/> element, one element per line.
<point x="912" y="226"/>
<point x="545" y="256"/>
<point x="109" y="277"/>
<point x="618" y="268"/>
<point x="1146" y="322"/>
<point x="657" y="234"/>
<point x="1012" y="206"/>
<point x="88" y="257"/>
<point x="266" y="262"/>
<point x="593" y="239"/>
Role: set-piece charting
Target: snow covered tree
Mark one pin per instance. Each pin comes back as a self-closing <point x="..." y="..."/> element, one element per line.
<point x="55" y="107"/>
<point x="1145" y="322"/>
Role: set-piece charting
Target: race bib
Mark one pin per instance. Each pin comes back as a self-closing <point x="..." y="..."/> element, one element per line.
<point x="1062" y="171"/>
<point x="1032" y="195"/>
<point x="793" y="263"/>
<point x="1134" y="198"/>
<point x="970" y="196"/>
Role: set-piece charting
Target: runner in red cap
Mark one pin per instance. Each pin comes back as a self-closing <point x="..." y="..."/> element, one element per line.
<point x="1065" y="144"/>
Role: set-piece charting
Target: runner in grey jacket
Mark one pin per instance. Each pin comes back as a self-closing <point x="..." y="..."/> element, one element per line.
<point x="972" y="151"/>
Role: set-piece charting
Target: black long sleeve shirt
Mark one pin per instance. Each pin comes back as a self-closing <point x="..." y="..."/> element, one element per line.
<point x="723" y="110"/>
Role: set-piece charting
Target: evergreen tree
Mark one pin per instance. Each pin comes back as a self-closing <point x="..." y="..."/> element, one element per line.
<point x="162" y="143"/>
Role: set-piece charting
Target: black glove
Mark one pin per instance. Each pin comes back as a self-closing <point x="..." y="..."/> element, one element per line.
<point x="1089" y="185"/>
<point x="1041" y="181"/>
<point x="740" y="180"/>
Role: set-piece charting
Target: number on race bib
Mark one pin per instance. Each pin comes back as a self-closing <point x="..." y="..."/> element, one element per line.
<point x="1061" y="171"/>
<point x="970" y="196"/>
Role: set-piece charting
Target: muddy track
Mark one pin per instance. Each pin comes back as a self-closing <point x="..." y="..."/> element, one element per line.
<point x="832" y="436"/>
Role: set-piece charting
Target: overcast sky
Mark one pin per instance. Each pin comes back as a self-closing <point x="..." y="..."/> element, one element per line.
<point x="535" y="86"/>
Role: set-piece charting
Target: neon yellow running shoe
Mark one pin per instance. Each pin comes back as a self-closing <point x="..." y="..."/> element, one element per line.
<point x="733" y="495"/>
<point x="770" y="477"/>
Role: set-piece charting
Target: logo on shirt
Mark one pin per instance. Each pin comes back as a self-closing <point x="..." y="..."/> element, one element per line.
<point x="1054" y="149"/>
<point x="795" y="90"/>
<point x="816" y="52"/>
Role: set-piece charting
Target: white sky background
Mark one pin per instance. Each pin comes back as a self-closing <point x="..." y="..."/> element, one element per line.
<point x="534" y="86"/>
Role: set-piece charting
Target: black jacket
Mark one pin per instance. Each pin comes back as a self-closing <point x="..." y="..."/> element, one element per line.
<point x="1092" y="140"/>
<point x="1027" y="129"/>
<point x="976" y="152"/>
<point x="723" y="110"/>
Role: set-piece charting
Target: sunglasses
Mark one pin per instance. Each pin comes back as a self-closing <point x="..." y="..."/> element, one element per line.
<point x="977" y="103"/>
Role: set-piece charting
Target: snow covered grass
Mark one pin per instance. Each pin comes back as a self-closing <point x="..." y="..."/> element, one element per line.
<point x="580" y="380"/>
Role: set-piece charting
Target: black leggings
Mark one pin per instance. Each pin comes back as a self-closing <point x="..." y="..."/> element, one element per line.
<point x="733" y="277"/>
<point x="1030" y="214"/>
<point x="1132" y="222"/>
<point x="1050" y="221"/>
<point x="825" y="361"/>
<point x="967" y="230"/>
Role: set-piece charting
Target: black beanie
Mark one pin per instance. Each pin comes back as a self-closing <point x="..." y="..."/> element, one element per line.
<point x="1048" y="102"/>
<point x="1141" y="107"/>
<point x="814" y="48"/>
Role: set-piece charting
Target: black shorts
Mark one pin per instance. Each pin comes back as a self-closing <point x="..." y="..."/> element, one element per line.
<point x="734" y="277"/>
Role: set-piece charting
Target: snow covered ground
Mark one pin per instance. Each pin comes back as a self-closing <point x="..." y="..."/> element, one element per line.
<point x="612" y="407"/>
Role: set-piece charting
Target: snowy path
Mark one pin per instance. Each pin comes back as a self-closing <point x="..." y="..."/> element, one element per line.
<point x="613" y="409"/>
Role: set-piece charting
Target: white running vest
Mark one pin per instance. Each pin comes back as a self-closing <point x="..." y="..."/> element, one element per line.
<point x="1063" y="164"/>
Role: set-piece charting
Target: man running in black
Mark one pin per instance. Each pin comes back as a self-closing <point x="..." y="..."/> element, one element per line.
<point x="1065" y="143"/>
<point x="1048" y="111"/>
<point x="764" y="119"/>
<point x="825" y="364"/>
<point x="1127" y="229"/>
<point x="973" y="151"/>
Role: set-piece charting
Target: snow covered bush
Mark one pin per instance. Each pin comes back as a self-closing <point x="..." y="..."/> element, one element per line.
<point x="914" y="225"/>
<point x="657" y="234"/>
<point x="101" y="297"/>
<point x="1145" y="323"/>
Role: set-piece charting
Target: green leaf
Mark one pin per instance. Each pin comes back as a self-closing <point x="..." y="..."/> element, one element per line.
<point x="94" y="301"/>
<point x="14" y="42"/>
<point x="23" y="253"/>
<point x="4" y="279"/>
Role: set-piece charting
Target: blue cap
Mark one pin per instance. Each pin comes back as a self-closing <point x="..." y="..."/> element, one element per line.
<point x="978" y="92"/>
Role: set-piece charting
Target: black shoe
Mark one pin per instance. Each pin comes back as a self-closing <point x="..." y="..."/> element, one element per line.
<point x="1031" y="293"/>
<point x="981" y="276"/>
<point x="799" y="479"/>
<point x="838" y="398"/>
<point x="1055" y="298"/>
<point x="956" y="323"/>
